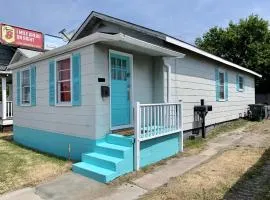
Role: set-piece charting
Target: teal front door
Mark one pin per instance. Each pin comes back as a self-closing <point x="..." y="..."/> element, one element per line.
<point x="120" y="90"/>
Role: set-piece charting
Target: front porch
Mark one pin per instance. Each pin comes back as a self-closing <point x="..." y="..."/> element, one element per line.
<point x="158" y="134"/>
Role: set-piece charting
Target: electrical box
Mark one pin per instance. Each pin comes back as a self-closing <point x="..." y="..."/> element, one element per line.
<point x="105" y="91"/>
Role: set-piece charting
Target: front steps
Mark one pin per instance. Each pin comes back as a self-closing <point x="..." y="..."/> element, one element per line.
<point x="111" y="158"/>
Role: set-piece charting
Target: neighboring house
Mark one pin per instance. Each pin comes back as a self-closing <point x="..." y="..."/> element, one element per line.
<point x="115" y="75"/>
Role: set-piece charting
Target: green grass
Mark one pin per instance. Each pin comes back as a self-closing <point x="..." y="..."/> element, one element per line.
<point x="22" y="167"/>
<point x="219" y="129"/>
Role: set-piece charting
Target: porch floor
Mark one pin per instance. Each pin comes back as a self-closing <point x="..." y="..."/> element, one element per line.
<point x="124" y="132"/>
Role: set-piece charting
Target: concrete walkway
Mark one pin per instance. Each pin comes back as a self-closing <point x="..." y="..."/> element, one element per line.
<point x="73" y="186"/>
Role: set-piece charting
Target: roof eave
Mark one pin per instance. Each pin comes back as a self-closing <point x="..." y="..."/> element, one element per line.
<point x="208" y="55"/>
<point x="94" y="38"/>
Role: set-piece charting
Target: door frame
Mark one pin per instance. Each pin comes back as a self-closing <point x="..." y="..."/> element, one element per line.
<point x="130" y="56"/>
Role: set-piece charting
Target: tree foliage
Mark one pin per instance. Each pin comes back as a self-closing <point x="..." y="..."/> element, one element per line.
<point x="246" y="43"/>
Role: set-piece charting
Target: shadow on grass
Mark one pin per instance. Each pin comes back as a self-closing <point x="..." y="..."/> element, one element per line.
<point x="255" y="183"/>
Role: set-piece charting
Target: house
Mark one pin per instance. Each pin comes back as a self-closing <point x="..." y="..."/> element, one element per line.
<point x="115" y="76"/>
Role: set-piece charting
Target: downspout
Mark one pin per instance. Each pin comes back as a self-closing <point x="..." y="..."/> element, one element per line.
<point x="169" y="69"/>
<point x="168" y="81"/>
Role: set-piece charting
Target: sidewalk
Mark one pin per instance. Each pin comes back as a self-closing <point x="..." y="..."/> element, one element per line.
<point x="73" y="186"/>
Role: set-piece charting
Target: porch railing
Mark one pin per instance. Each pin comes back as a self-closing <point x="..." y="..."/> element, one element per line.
<point x="9" y="109"/>
<point x="156" y="120"/>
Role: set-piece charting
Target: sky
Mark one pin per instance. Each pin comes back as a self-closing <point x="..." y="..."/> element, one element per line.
<point x="184" y="19"/>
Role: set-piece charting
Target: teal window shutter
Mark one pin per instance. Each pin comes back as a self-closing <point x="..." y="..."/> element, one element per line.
<point x="237" y="82"/>
<point x="217" y="84"/>
<point x="52" y="83"/>
<point x="18" y="96"/>
<point x="33" y="86"/>
<point x="76" y="79"/>
<point x="226" y="86"/>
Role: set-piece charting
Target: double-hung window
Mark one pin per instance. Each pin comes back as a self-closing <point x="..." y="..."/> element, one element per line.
<point x="221" y="85"/>
<point x="63" y="81"/>
<point x="25" y="87"/>
<point x="222" y="90"/>
<point x="240" y="83"/>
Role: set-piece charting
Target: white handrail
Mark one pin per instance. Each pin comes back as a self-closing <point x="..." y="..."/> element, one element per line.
<point x="156" y="120"/>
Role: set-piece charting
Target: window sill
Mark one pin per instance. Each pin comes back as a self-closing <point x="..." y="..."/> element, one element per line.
<point x="63" y="104"/>
<point x="25" y="105"/>
<point x="240" y="90"/>
<point x="221" y="100"/>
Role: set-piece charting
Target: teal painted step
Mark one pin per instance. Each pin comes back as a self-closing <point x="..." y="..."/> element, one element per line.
<point x="111" y="158"/>
<point x="98" y="159"/>
<point x="120" y="140"/>
<point x="92" y="171"/>
<point x="111" y="149"/>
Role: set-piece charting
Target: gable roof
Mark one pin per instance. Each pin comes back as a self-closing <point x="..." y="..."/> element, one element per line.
<point x="167" y="38"/>
<point x="21" y="54"/>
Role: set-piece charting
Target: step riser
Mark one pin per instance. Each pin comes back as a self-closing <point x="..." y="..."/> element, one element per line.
<point x="110" y="152"/>
<point x="128" y="142"/>
<point x="99" y="162"/>
<point x="90" y="174"/>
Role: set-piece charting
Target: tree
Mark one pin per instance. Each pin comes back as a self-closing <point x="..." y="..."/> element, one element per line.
<point x="246" y="43"/>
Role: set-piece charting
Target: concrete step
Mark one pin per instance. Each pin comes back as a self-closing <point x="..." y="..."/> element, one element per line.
<point x="92" y="171"/>
<point x="111" y="149"/>
<point x="120" y="140"/>
<point x="101" y="160"/>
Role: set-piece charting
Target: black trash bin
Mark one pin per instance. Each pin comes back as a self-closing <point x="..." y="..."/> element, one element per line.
<point x="256" y="112"/>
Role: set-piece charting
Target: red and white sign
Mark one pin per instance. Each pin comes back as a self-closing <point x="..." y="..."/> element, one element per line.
<point x="16" y="36"/>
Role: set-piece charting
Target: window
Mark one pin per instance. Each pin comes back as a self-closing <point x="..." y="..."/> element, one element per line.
<point x="63" y="78"/>
<point x="119" y="69"/>
<point x="241" y="83"/>
<point x="25" y="86"/>
<point x="221" y="85"/>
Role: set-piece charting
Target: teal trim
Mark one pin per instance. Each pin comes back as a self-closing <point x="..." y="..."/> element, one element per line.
<point x="52" y="83"/>
<point x="217" y="84"/>
<point x="120" y="89"/>
<point x="33" y="86"/>
<point x="226" y="87"/>
<point x="53" y="143"/>
<point x="159" y="148"/>
<point x="76" y="79"/>
<point x="18" y="89"/>
<point x="237" y="82"/>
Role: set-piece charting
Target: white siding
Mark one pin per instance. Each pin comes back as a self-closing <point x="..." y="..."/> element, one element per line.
<point x="193" y="79"/>
<point x="77" y="121"/>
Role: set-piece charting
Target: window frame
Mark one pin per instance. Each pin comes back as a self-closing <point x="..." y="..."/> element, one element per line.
<point x="240" y="89"/>
<point x="21" y="86"/>
<point x="224" y="83"/>
<point x="58" y="103"/>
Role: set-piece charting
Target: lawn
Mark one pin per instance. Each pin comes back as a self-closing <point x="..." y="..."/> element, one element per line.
<point x="21" y="167"/>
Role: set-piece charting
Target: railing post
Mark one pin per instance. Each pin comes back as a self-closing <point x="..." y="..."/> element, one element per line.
<point x="182" y="130"/>
<point x="137" y="136"/>
<point x="4" y="98"/>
